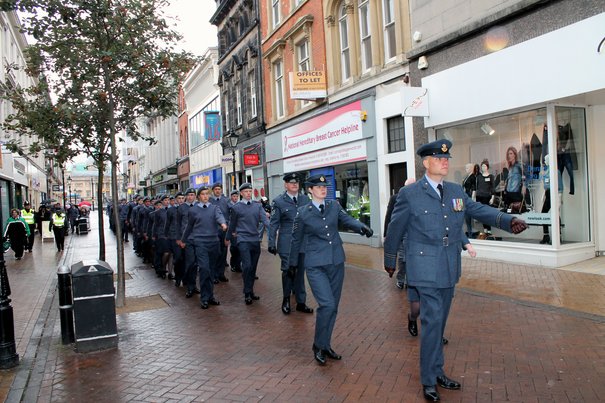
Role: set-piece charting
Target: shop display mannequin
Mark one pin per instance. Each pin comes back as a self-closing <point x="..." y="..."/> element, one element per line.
<point x="546" y="206"/>
<point x="470" y="186"/>
<point x="485" y="188"/>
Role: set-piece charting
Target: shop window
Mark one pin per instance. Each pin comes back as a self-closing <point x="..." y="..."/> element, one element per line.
<point x="516" y="173"/>
<point x="396" y="134"/>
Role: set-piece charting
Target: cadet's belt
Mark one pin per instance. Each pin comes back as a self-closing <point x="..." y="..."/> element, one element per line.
<point x="444" y="241"/>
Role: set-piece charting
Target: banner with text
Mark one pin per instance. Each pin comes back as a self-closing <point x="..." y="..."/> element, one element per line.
<point x="342" y="154"/>
<point x="308" y="85"/>
<point x="339" y="126"/>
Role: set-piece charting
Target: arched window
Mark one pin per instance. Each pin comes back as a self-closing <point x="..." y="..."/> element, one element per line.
<point x="345" y="57"/>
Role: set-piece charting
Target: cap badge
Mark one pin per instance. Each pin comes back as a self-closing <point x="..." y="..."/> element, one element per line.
<point x="444" y="148"/>
<point x="322" y="179"/>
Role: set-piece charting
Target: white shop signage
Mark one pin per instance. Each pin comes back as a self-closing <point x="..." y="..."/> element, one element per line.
<point x="342" y="154"/>
<point x="339" y="126"/>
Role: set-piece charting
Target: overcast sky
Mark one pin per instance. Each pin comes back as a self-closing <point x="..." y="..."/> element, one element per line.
<point x="193" y="16"/>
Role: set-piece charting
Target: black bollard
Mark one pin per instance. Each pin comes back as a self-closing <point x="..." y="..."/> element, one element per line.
<point x="8" y="349"/>
<point x="66" y="307"/>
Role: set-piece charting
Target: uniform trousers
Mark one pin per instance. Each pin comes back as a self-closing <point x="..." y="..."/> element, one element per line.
<point x="31" y="237"/>
<point x="219" y="266"/>
<point x="206" y="253"/>
<point x="235" y="260"/>
<point x="326" y="285"/>
<point x="59" y="237"/>
<point x="124" y="228"/>
<point x="294" y="285"/>
<point x="190" y="266"/>
<point x="249" y="253"/>
<point x="160" y="247"/>
<point x="435" y="306"/>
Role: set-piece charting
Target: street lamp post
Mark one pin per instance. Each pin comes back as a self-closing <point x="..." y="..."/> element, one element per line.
<point x="69" y="184"/>
<point x="63" y="185"/>
<point x="8" y="348"/>
<point x="232" y="140"/>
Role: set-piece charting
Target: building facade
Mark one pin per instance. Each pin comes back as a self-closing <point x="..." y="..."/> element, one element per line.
<point x="345" y="134"/>
<point x="240" y="83"/>
<point x="521" y="85"/>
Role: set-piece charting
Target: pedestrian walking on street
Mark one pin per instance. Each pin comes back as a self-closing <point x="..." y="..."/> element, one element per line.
<point x="43" y="215"/>
<point x="244" y="221"/>
<point x="72" y="216"/>
<point x="283" y="212"/>
<point x="235" y="260"/>
<point x="185" y="262"/>
<point x="58" y="224"/>
<point x="431" y="212"/>
<point x="16" y="231"/>
<point x="202" y="231"/>
<point x="29" y="215"/>
<point x="316" y="229"/>
<point x="219" y="199"/>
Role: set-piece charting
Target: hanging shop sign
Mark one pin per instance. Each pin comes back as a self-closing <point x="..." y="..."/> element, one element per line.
<point x="206" y="178"/>
<point x="212" y="125"/>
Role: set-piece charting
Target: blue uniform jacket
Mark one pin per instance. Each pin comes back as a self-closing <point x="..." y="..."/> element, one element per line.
<point x="170" y="229"/>
<point x="244" y="220"/>
<point x="320" y="232"/>
<point x="283" y="212"/>
<point x="420" y="214"/>
<point x="159" y="223"/>
<point x="182" y="212"/>
<point x="222" y="203"/>
<point x="200" y="223"/>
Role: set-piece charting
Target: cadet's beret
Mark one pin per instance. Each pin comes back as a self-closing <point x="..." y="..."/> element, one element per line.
<point x="316" y="180"/>
<point x="217" y="185"/>
<point x="190" y="190"/>
<point x="179" y="194"/>
<point x="171" y="197"/>
<point x="157" y="202"/>
<point x="234" y="192"/>
<point x="292" y="177"/>
<point x="146" y="198"/>
<point x="165" y="196"/>
<point x="245" y="186"/>
<point x="201" y="189"/>
<point x="437" y="149"/>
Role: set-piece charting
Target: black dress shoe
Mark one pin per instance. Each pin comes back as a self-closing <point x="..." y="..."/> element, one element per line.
<point x="256" y="277"/>
<point x="444" y="341"/>
<point x="177" y="283"/>
<point x="248" y="299"/>
<point x="303" y="308"/>
<point x="196" y="291"/>
<point x="333" y="354"/>
<point x="412" y="327"/>
<point x="447" y="383"/>
<point x="170" y="276"/>
<point x="215" y="281"/>
<point x="430" y="393"/>
<point x="254" y="296"/>
<point x="204" y="305"/>
<point x="285" y="306"/>
<point x="189" y="294"/>
<point x="214" y="301"/>
<point x="223" y="279"/>
<point x="319" y="355"/>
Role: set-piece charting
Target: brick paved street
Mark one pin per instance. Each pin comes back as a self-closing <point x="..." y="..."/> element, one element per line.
<point x="506" y="343"/>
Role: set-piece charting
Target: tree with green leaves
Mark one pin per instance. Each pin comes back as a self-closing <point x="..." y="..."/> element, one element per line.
<point x="107" y="65"/>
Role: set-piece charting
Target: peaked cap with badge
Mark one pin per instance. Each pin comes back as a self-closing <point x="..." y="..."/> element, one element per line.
<point x="438" y="149"/>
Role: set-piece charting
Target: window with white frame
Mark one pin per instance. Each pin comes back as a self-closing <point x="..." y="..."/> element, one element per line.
<point x="275" y="12"/>
<point x="238" y="104"/>
<point x="227" y="126"/>
<point x="366" y="35"/>
<point x="252" y="82"/>
<point x="304" y="62"/>
<point x="345" y="62"/>
<point x="278" y="75"/>
<point x="389" y="29"/>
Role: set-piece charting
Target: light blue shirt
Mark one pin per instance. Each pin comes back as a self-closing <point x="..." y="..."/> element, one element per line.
<point x="316" y="204"/>
<point x="434" y="185"/>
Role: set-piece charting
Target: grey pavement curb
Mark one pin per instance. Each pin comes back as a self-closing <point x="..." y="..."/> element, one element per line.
<point x="28" y="379"/>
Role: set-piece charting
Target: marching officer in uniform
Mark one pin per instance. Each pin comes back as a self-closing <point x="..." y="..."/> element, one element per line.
<point x="58" y="224"/>
<point x="29" y="215"/>
<point x="185" y="261"/>
<point x="171" y="233"/>
<point x="432" y="212"/>
<point x="219" y="199"/>
<point x="158" y="225"/>
<point x="244" y="221"/>
<point x="202" y="233"/>
<point x="234" y="261"/>
<point x="316" y="228"/>
<point x="283" y="212"/>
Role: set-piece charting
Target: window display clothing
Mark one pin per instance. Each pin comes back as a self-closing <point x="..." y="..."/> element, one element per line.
<point x="566" y="155"/>
<point x="470" y="185"/>
<point x="546" y="204"/>
<point x="514" y="184"/>
<point x="485" y="190"/>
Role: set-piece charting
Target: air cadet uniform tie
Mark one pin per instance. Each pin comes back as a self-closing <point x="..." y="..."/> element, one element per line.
<point x="294" y="198"/>
<point x="205" y="206"/>
<point x="321" y="209"/>
<point x="248" y="203"/>
<point x="440" y="188"/>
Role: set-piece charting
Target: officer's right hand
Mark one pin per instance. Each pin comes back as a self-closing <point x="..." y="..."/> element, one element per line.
<point x="272" y="250"/>
<point x="367" y="231"/>
<point x="390" y="270"/>
<point x="292" y="271"/>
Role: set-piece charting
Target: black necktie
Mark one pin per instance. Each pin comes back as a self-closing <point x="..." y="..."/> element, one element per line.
<point x="321" y="209"/>
<point x="205" y="206"/>
<point x="440" y="189"/>
<point x="247" y="203"/>
<point x="294" y="198"/>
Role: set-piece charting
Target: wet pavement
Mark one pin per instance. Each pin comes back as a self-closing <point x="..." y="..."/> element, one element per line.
<point x="517" y="333"/>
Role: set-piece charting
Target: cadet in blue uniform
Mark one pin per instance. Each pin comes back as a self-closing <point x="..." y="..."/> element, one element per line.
<point x="162" y="253"/>
<point x="283" y="212"/>
<point x="219" y="199"/>
<point x="316" y="227"/>
<point x="203" y="221"/>
<point x="185" y="261"/>
<point x="244" y="221"/>
<point x="431" y="212"/>
<point x="171" y="233"/>
<point x="234" y="261"/>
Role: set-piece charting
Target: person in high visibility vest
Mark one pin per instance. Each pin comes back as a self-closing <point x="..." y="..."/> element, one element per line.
<point x="58" y="222"/>
<point x="29" y="215"/>
<point x="16" y="232"/>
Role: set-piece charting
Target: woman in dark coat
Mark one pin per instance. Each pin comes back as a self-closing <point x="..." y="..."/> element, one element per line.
<point x="16" y="231"/>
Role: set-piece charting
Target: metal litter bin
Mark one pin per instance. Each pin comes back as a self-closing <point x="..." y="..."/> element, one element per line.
<point x="94" y="306"/>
